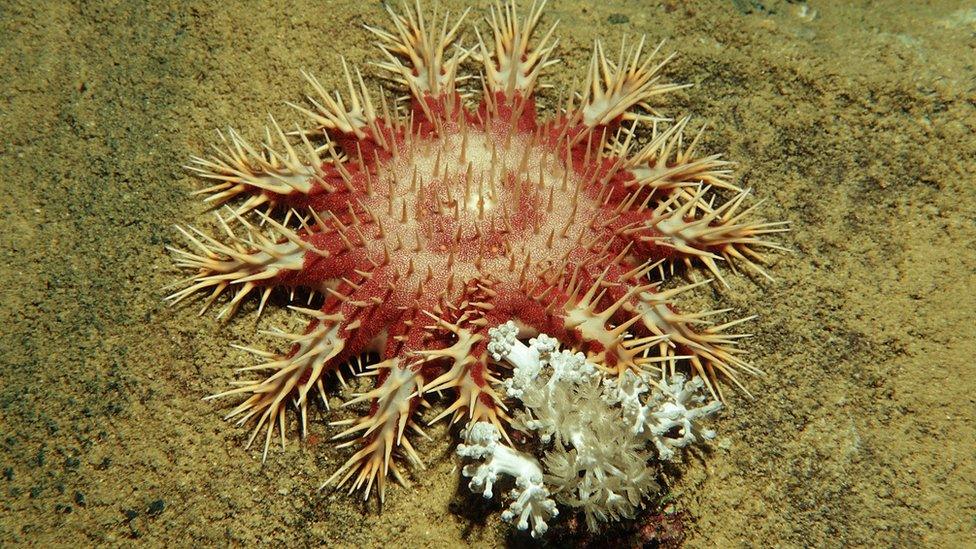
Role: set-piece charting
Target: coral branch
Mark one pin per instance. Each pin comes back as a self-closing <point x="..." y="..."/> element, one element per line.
<point x="530" y="504"/>
<point x="671" y="409"/>
<point x="595" y="435"/>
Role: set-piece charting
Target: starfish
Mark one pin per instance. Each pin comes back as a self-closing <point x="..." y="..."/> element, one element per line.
<point x="424" y="222"/>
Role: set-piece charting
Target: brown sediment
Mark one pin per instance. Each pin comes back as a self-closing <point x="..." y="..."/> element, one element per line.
<point x="859" y="433"/>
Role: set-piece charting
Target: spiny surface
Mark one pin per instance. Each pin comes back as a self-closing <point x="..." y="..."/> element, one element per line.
<point x="425" y="224"/>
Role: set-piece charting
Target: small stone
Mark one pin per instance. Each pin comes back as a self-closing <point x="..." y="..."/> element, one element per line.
<point x="155" y="508"/>
<point x="80" y="499"/>
<point x="8" y="473"/>
<point x="130" y="514"/>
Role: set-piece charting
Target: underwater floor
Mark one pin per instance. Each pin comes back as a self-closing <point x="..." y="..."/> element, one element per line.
<point x="854" y="120"/>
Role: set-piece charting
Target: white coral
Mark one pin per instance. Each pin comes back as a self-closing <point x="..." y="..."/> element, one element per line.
<point x="675" y="407"/>
<point x="502" y="340"/>
<point x="530" y="498"/>
<point x="626" y="391"/>
<point x="597" y="437"/>
<point x="571" y="368"/>
<point x="529" y="360"/>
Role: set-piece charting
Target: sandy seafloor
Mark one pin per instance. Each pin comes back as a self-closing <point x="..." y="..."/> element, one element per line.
<point x="855" y="120"/>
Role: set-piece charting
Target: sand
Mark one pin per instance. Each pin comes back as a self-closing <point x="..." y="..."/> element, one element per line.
<point x="854" y="120"/>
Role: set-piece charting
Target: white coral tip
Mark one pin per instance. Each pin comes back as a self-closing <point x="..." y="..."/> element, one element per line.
<point x="530" y="498"/>
<point x="502" y="340"/>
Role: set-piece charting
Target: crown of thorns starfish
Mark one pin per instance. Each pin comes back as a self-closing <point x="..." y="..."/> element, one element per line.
<point x="422" y="222"/>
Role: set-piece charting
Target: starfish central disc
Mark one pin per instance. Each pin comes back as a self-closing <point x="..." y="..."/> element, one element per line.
<point x="469" y="202"/>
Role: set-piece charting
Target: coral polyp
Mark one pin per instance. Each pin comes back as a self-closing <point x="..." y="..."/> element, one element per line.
<point x="426" y="223"/>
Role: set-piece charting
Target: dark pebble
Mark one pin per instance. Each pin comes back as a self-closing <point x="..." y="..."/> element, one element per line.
<point x="80" y="499"/>
<point x="130" y="514"/>
<point x="8" y="473"/>
<point x="155" y="508"/>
